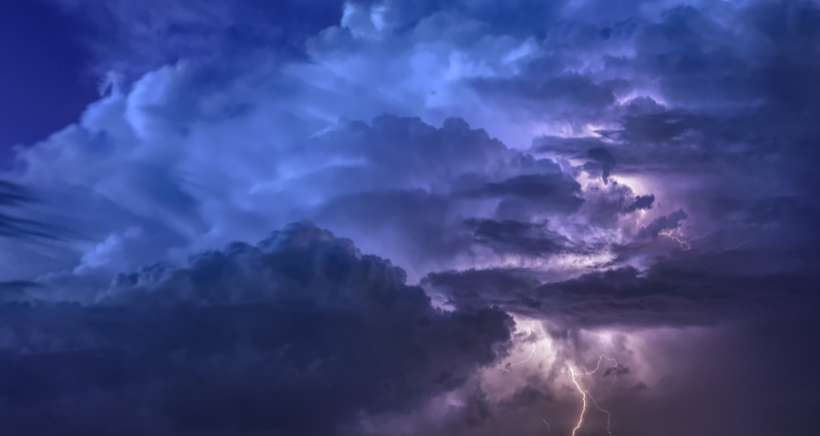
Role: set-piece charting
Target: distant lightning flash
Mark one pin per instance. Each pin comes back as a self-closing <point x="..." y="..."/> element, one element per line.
<point x="597" y="366"/>
<point x="547" y="424"/>
<point x="586" y="396"/>
<point x="594" y="401"/>
<point x="605" y="412"/>
<point x="675" y="235"/>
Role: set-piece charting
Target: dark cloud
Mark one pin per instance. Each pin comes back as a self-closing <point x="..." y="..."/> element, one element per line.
<point x="693" y="289"/>
<point x="641" y="202"/>
<point x="548" y="192"/>
<point x="478" y="288"/>
<point x="564" y="95"/>
<point x="530" y="185"/>
<point x="605" y="159"/>
<point x="256" y="339"/>
<point x="605" y="205"/>
<point x="515" y="237"/>
<point x="576" y="146"/>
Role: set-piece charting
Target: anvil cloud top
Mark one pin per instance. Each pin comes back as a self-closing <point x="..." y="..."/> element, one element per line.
<point x="359" y="217"/>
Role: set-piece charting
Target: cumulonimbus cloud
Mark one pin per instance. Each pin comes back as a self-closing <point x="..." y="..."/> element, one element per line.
<point x="604" y="170"/>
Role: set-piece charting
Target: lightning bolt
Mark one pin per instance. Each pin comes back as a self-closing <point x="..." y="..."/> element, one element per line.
<point x="587" y="397"/>
<point x="583" y="393"/>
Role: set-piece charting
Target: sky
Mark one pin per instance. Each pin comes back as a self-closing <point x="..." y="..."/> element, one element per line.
<point x="400" y="218"/>
<point x="46" y="76"/>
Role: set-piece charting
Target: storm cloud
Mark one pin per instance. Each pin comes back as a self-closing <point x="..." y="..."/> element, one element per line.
<point x="255" y="339"/>
<point x="539" y="185"/>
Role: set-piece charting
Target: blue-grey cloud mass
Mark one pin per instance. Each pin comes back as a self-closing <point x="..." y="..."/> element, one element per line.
<point x="467" y="198"/>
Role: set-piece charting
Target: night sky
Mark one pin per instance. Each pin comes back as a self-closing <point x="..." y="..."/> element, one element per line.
<point x="402" y="218"/>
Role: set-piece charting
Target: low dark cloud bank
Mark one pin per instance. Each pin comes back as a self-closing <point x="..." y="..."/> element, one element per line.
<point x="295" y="335"/>
<point x="689" y="290"/>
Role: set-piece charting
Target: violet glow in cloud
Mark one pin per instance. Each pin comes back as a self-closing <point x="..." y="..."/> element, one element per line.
<point x="524" y="187"/>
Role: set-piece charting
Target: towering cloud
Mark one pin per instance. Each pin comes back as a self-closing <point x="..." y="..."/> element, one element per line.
<point x="553" y="181"/>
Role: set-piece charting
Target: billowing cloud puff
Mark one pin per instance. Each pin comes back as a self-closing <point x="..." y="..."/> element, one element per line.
<point x="204" y="151"/>
<point x="400" y="186"/>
